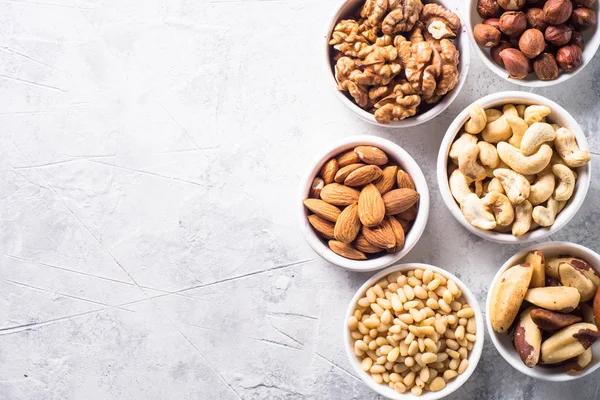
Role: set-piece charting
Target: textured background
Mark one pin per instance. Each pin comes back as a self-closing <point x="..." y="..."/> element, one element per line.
<point x="150" y="161"/>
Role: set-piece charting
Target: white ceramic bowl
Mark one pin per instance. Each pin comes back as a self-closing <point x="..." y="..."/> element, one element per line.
<point x="452" y="385"/>
<point x="560" y="116"/>
<point x="400" y="157"/>
<point x="591" y="38"/>
<point x="347" y="7"/>
<point x="503" y="342"/>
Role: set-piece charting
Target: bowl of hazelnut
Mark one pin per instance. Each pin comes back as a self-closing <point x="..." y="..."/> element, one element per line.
<point x="534" y="43"/>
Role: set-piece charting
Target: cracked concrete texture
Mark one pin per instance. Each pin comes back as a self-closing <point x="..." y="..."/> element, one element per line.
<point x="150" y="162"/>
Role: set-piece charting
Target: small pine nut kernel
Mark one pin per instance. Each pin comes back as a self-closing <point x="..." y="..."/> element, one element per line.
<point x="447" y="296"/>
<point x="409" y="338"/>
<point x="377" y="309"/>
<point x="420" y="292"/>
<point x="378" y="291"/>
<point x="452" y="353"/>
<point x="371" y="296"/>
<point x="463" y="352"/>
<point x="386" y="304"/>
<point x="450" y="374"/>
<point x="443" y="306"/>
<point x="429" y="358"/>
<point x="409" y="292"/>
<point x="470" y="346"/>
<point x="413" y="348"/>
<point x="377" y="378"/>
<point x="377" y="369"/>
<point x="419" y="273"/>
<point x="470" y="337"/>
<point x="452" y="287"/>
<point x="400" y="387"/>
<point x="363" y="302"/>
<point x="464" y="364"/>
<point x="395" y="377"/>
<point x="455" y="305"/>
<point x="416" y="315"/>
<point x="471" y="327"/>
<point x="409" y="379"/>
<point x="459" y="333"/>
<point x="409" y="361"/>
<point x="421" y="344"/>
<point x="396" y="303"/>
<point x="424" y="375"/>
<point x="411" y="304"/>
<point x="465" y="313"/>
<point x="454" y="363"/>
<point x="401" y="281"/>
<point x="366" y="364"/>
<point x="373" y="333"/>
<point x="432" y="303"/>
<point x="394" y="354"/>
<point x="462" y="321"/>
<point x="387" y="317"/>
<point x="433" y="284"/>
<point x="416" y="390"/>
<point x="356" y="335"/>
<point x="381" y="341"/>
<point x="414" y="282"/>
<point x="437" y="384"/>
<point x="427" y="276"/>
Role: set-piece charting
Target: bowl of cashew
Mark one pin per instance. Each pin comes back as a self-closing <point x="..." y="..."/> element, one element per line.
<point x="514" y="167"/>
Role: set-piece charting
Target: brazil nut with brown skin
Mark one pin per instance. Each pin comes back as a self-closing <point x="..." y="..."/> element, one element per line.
<point x="552" y="321"/>
<point x="507" y="296"/>
<point x="528" y="339"/>
<point x="569" y="342"/>
<point x="552" y="265"/>
<point x="573" y="277"/>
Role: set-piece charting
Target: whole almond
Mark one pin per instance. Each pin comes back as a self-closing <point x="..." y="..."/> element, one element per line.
<point x="381" y="235"/>
<point x="345" y="250"/>
<point x="399" y="200"/>
<point x="371" y="155"/>
<point x="343" y="172"/>
<point x="315" y="188"/>
<point x="347" y="225"/>
<point x="339" y="195"/>
<point x="363" y="245"/>
<point x="387" y="180"/>
<point x="404" y="180"/>
<point x="398" y="233"/>
<point x="349" y="157"/>
<point x="329" y="170"/>
<point x="410" y="214"/>
<point x="363" y="175"/>
<point x="324" y="227"/>
<point x="371" y="208"/>
<point x="322" y="209"/>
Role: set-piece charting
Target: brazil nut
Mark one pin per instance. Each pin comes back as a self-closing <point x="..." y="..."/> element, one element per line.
<point x="556" y="298"/>
<point x="569" y="342"/>
<point x="528" y="339"/>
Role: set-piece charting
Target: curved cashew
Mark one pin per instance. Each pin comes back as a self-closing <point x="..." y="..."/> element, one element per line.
<point x="536" y="113"/>
<point x="478" y="188"/>
<point x="492" y="114"/>
<point x="525" y="165"/>
<point x="515" y="185"/>
<point x="522" y="223"/>
<point x="496" y="131"/>
<point x="459" y="186"/>
<point x="510" y="110"/>
<point x="566" y="185"/>
<point x="488" y="155"/>
<point x="543" y="187"/>
<point x="459" y="144"/>
<point x="477" y="121"/>
<point x="475" y="212"/>
<point x="518" y="127"/>
<point x="535" y="135"/>
<point x="468" y="164"/>
<point x="568" y="149"/>
<point x="544" y="216"/>
<point x="521" y="110"/>
<point x="494" y="185"/>
<point x="501" y="206"/>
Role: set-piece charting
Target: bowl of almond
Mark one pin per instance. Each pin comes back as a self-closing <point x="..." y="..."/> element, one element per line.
<point x="364" y="204"/>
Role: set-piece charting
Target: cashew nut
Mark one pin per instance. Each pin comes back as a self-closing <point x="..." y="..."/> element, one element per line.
<point x="521" y="110"/>
<point x="544" y="216"/>
<point x="478" y="119"/>
<point x="525" y="165"/>
<point x="475" y="212"/>
<point x="459" y="186"/>
<point x="566" y="182"/>
<point x="501" y="206"/>
<point x="522" y="223"/>
<point x="543" y="187"/>
<point x="459" y="144"/>
<point x="492" y="114"/>
<point x="468" y="164"/>
<point x="535" y="136"/>
<point x="536" y="113"/>
<point x="515" y="185"/>
<point x="494" y="185"/>
<point x="496" y="131"/>
<point x="568" y="149"/>
<point x="518" y="127"/>
<point x="488" y="155"/>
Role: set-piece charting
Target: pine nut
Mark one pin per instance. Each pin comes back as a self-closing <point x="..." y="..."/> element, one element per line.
<point x="385" y="349"/>
<point x="409" y="361"/>
<point x="420" y="293"/>
<point x="463" y="352"/>
<point x="440" y="327"/>
<point x="409" y="292"/>
<point x="428" y="312"/>
<point x="361" y="345"/>
<point x="358" y="314"/>
<point x="443" y="306"/>
<point x="391" y="341"/>
<point x="384" y="303"/>
<point x="454" y="363"/>
<point x="429" y="358"/>
<point x="452" y="344"/>
<point x="451" y="319"/>
<point x="421" y="343"/>
<point x="371" y="296"/>
<point x="383" y="327"/>
<point x="470" y="346"/>
<point x="441" y="357"/>
<point x="447" y="296"/>
<point x="372" y="344"/>
<point x="378" y="291"/>
<point x="471" y="327"/>
<point x="455" y="305"/>
<point x="400" y="368"/>
<point x="409" y="379"/>
<point x="366" y="364"/>
<point x="381" y="341"/>
<point x="392" y="287"/>
<point x="416" y="390"/>
<point x="419" y="273"/>
<point x="432" y="303"/>
<point x="409" y="338"/>
<point x="372" y="322"/>
<point x="362" y="328"/>
<point x="396" y="303"/>
<point x="387" y="317"/>
<point x="402" y="280"/>
<point x="386" y="377"/>
<point x="470" y="337"/>
<point x="373" y="333"/>
<point x="406" y="318"/>
<point x="413" y="348"/>
<point x="381" y="360"/>
<point x="433" y="284"/>
<point x="465" y="313"/>
<point x="464" y="364"/>
<point x="411" y="304"/>
<point x="427" y="276"/>
<point x="437" y="384"/>
<point x="363" y="302"/>
<point x="450" y="374"/>
<point x="401" y="295"/>
<point x="400" y="387"/>
<point x="395" y="377"/>
<point x="452" y="353"/>
<point x="430" y="345"/>
<point x="424" y="375"/>
<point x="414" y="282"/>
<point x="356" y="335"/>
<point x="452" y="287"/>
<point x="394" y="354"/>
<point x="377" y="378"/>
<point x="377" y="309"/>
<point x="417" y="316"/>
<point x="459" y="333"/>
<point x="435" y="365"/>
<point x="462" y="321"/>
<point x="463" y="342"/>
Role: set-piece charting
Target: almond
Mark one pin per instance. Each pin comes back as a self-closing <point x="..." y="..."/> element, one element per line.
<point x="399" y="200"/>
<point x="322" y="209"/>
<point x="347" y="225"/>
<point x="339" y="195"/>
<point x="380" y="236"/>
<point x="329" y="170"/>
<point x="410" y="214"/>
<point x="363" y="245"/>
<point x="343" y="172"/>
<point x="387" y="180"/>
<point x="315" y="188"/>
<point x="324" y="227"/>
<point x="398" y="233"/>
<point x="349" y="157"/>
<point x="371" y="155"/>
<point x="371" y="209"/>
<point x="346" y="251"/>
<point x="404" y="180"/>
<point x="363" y="175"/>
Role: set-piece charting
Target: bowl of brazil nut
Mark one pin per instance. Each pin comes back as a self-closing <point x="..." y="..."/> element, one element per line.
<point x="543" y="311"/>
<point x="396" y="63"/>
<point x="364" y="203"/>
<point x="413" y="331"/>
<point x="514" y="167"/>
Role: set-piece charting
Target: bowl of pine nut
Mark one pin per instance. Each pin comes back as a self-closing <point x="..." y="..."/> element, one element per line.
<point x="414" y="331"/>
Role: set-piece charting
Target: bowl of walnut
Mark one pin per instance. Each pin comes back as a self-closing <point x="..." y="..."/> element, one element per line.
<point x="396" y="63"/>
<point x="534" y="43"/>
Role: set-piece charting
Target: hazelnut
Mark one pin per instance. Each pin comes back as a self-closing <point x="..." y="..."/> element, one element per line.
<point x="486" y="35"/>
<point x="585" y="3"/>
<point x="511" y="5"/>
<point x="515" y="63"/>
<point x="557" y="12"/>
<point x="569" y="57"/>
<point x="583" y="17"/>
<point x="535" y="19"/>
<point x="488" y="8"/>
<point x="513" y="23"/>
<point x="495" y="52"/>
<point x="495" y="22"/>
<point x="577" y="39"/>
<point x="545" y="67"/>
<point x="558" y="35"/>
<point x="532" y="43"/>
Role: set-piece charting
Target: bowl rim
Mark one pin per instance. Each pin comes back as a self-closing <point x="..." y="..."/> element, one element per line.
<point x="402" y="158"/>
<point x="447" y="100"/>
<point x="502" y="73"/>
<point x="451" y="386"/>
<point x="584" y="173"/>
<point x="509" y="355"/>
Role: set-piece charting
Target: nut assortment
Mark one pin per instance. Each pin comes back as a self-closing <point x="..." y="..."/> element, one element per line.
<point x="542" y="34"/>
<point x="544" y="302"/>
<point x="394" y="55"/>
<point x="362" y="203"/>
<point x="511" y="170"/>
<point x="413" y="331"/>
